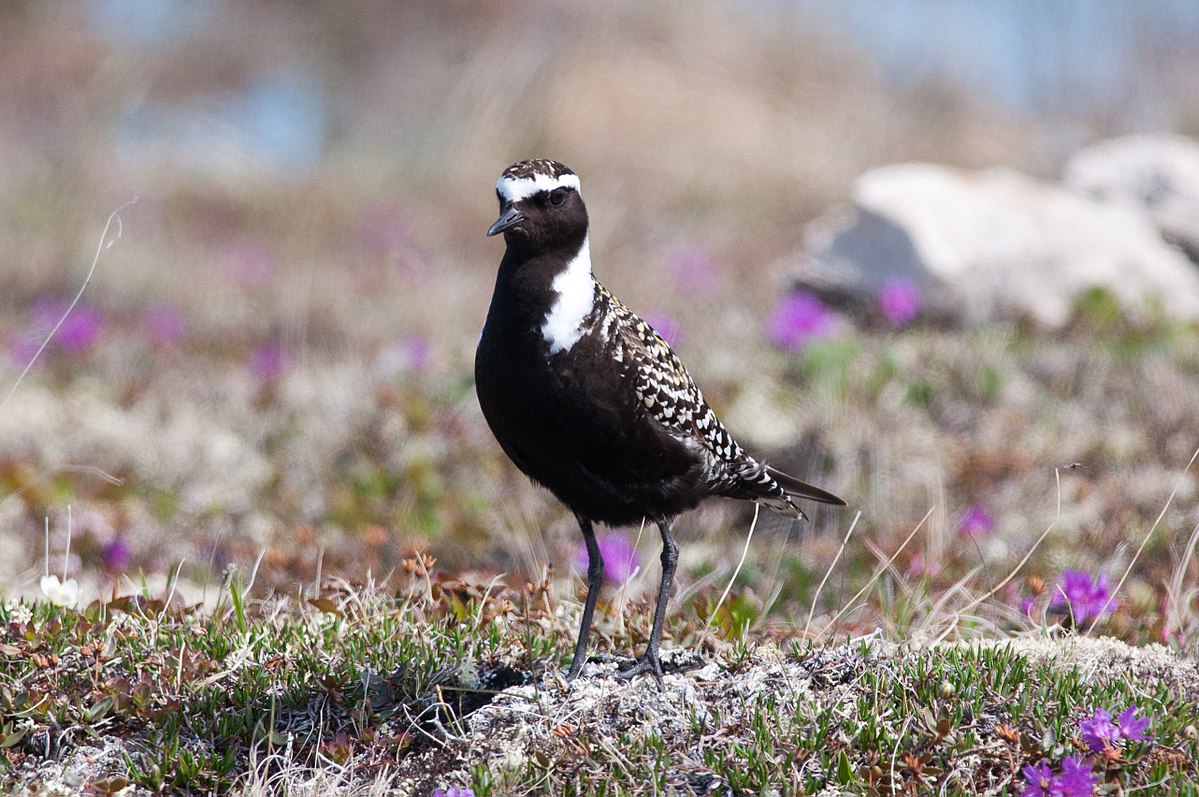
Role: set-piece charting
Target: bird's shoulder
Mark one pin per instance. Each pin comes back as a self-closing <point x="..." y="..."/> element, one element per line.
<point x="662" y="384"/>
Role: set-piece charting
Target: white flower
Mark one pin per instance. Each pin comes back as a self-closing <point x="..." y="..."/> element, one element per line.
<point x="64" y="593"/>
<point x="18" y="612"/>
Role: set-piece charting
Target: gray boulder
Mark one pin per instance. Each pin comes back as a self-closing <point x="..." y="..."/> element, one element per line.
<point x="995" y="244"/>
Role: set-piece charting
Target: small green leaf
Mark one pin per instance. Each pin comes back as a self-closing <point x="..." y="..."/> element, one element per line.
<point x="13" y="738"/>
<point x="99" y="708"/>
<point x="844" y="770"/>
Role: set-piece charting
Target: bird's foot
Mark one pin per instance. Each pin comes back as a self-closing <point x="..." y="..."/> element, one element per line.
<point x="648" y="663"/>
<point x="576" y="666"/>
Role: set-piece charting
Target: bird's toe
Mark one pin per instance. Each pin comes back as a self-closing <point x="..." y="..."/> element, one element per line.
<point x="648" y="663"/>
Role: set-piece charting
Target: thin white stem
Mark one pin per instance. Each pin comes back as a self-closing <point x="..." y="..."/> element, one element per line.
<point x="815" y="598"/>
<point x="957" y="615"/>
<point x="1112" y="596"/>
<point x="878" y="572"/>
<point x="66" y="557"/>
<point x="105" y="243"/>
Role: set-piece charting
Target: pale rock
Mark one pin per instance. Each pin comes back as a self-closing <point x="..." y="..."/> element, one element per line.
<point x="1156" y="174"/>
<point x="996" y="244"/>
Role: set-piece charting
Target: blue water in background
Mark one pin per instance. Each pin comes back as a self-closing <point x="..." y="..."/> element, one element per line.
<point x="277" y="119"/>
<point x="1120" y="65"/>
<point x="1110" y="59"/>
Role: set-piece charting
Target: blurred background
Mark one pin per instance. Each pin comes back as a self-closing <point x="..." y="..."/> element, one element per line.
<point x="275" y="359"/>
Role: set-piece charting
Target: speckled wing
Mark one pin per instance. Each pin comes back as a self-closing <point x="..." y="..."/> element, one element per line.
<point x="673" y="400"/>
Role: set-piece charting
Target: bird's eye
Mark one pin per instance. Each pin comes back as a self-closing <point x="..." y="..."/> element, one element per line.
<point x="558" y="195"/>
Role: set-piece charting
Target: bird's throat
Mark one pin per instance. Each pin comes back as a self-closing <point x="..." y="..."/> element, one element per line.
<point x="572" y="298"/>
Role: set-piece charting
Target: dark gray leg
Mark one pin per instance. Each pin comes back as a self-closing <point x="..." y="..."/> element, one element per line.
<point x="595" y="580"/>
<point x="649" y="662"/>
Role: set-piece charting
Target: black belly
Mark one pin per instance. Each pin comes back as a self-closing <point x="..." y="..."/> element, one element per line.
<point x="582" y="433"/>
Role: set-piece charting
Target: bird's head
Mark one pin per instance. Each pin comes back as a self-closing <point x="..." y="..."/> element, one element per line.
<point x="540" y="206"/>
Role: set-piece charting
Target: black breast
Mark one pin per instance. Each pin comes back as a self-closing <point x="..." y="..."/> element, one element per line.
<point x="573" y="422"/>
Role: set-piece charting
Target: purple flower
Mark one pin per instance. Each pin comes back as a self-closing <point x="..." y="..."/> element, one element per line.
<point x="666" y="326"/>
<point x="22" y="350"/>
<point x="1027" y="604"/>
<point x="919" y="567"/>
<point x="694" y="272"/>
<point x="976" y="522"/>
<point x="619" y="554"/>
<point x="799" y="319"/>
<point x="900" y="301"/>
<point x="1038" y="780"/>
<point x="454" y="791"/>
<point x="45" y="313"/>
<point x="1132" y="726"/>
<point x="116" y="554"/>
<point x="164" y="325"/>
<point x="416" y="352"/>
<point x="80" y="329"/>
<point x="1084" y="596"/>
<point x="1100" y="733"/>
<point x="269" y="361"/>
<point x="1076" y="780"/>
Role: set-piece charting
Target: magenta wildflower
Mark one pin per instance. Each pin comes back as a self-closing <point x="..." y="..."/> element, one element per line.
<point x="666" y="326"/>
<point x="1082" y="596"/>
<point x="116" y="554"/>
<point x="22" y="350"/>
<point x="1076" y="780"/>
<point x="1038" y="780"/>
<point x="269" y="361"/>
<point x="799" y="319"/>
<point x="919" y="567"/>
<point x="1027" y="604"/>
<point x="164" y="325"/>
<point x="619" y="554"/>
<point x="416" y="352"/>
<point x="976" y="522"/>
<point x="1132" y="726"/>
<point x="900" y="301"/>
<point x="80" y="329"/>
<point x="1100" y="733"/>
<point x="45" y="313"/>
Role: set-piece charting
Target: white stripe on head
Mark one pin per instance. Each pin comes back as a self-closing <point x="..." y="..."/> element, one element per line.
<point x="576" y="296"/>
<point x="514" y="189"/>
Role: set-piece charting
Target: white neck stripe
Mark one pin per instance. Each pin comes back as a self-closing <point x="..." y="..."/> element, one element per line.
<point x="514" y="189"/>
<point x="575" y="287"/>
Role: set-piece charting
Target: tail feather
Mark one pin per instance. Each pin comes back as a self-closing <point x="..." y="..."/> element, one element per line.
<point x="795" y="487"/>
<point x="756" y="481"/>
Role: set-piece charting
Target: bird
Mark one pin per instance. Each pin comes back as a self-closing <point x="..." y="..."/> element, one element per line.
<point x="590" y="402"/>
